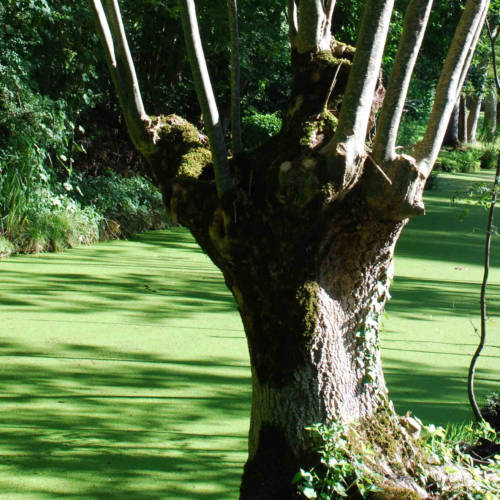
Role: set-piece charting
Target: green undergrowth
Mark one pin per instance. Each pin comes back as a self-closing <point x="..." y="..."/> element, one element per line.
<point x="81" y="211"/>
<point x="354" y="465"/>
<point x="468" y="158"/>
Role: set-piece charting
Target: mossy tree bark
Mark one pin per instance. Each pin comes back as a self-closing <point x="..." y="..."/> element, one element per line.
<point x="305" y="230"/>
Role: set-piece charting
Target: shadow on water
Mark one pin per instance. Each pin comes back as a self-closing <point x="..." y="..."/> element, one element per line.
<point x="440" y="296"/>
<point x="426" y="359"/>
<point x="89" y="421"/>
<point x="435" y="394"/>
<point x="176" y="280"/>
<point x="120" y="429"/>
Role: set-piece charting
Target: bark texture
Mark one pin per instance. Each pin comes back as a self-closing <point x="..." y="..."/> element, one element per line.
<point x="334" y="370"/>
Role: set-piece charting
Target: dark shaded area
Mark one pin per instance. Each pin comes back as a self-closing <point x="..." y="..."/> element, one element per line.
<point x="491" y="411"/>
<point x="483" y="452"/>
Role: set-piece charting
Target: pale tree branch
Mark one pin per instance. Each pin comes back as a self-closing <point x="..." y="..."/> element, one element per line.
<point x="448" y="86"/>
<point x="329" y="7"/>
<point x="311" y="35"/>
<point x="293" y="21"/>
<point x="415" y="23"/>
<point x="121" y="65"/>
<point x="327" y="24"/>
<point x="363" y="76"/>
<point x="206" y="97"/>
<point x="470" y="53"/>
<point x="235" y="77"/>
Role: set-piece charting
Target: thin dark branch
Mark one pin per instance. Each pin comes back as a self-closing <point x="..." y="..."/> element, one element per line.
<point x="235" y="77"/>
<point x="482" y="340"/>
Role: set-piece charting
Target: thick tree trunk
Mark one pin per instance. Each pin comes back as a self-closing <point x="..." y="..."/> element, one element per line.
<point x="309" y="269"/>
<point x="312" y="320"/>
<point x="451" y="136"/>
<point x="473" y="118"/>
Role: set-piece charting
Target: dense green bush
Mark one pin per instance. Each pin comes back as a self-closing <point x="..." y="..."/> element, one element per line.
<point x="52" y="222"/>
<point x="259" y="127"/>
<point x="489" y="157"/>
<point x="81" y="212"/>
<point x="36" y="133"/>
<point x="127" y="205"/>
<point x="460" y="160"/>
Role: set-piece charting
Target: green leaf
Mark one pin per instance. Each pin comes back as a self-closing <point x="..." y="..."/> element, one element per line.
<point x="309" y="493"/>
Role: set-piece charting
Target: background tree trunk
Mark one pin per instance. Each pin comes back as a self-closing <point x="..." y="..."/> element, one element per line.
<point x="490" y="115"/>
<point x="462" y="120"/>
<point x="451" y="136"/>
<point x="498" y="112"/>
<point x="473" y="118"/>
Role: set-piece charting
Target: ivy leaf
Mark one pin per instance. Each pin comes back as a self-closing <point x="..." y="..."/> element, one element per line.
<point x="309" y="493"/>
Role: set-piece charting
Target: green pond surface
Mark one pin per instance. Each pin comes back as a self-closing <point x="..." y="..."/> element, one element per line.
<point x="124" y="370"/>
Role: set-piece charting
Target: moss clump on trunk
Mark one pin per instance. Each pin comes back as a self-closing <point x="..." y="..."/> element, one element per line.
<point x="182" y="151"/>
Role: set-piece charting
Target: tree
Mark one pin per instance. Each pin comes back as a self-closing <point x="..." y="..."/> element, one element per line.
<point x="304" y="227"/>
